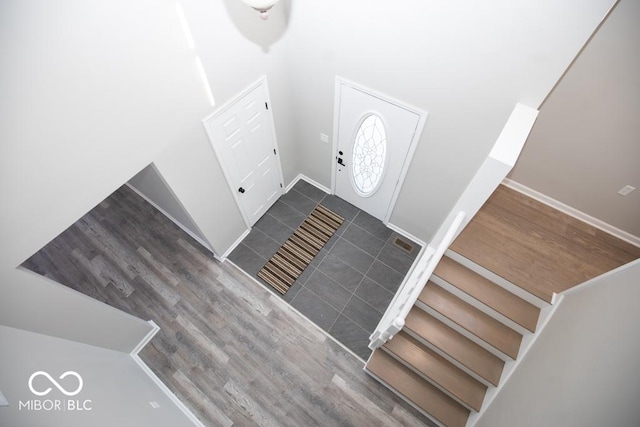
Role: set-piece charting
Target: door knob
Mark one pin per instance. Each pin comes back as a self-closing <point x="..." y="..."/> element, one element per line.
<point x="340" y="162"/>
<point x="240" y="190"/>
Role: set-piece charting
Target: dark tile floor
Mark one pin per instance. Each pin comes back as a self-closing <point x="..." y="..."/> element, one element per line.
<point x="350" y="283"/>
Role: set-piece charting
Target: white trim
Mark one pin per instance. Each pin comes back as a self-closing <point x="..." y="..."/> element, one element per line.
<point x="511" y="367"/>
<point x="181" y="406"/>
<point x="262" y="81"/>
<point x="144" y="341"/>
<point x="500" y="281"/>
<point x="303" y="177"/>
<point x="234" y="245"/>
<point x="406" y="234"/>
<point x="328" y="191"/>
<point x="402" y="396"/>
<point x="599" y="224"/>
<point x="172" y="219"/>
<point x="156" y="380"/>
<point x="339" y="83"/>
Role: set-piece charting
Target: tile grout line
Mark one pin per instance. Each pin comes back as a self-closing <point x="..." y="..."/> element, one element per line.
<point x="358" y="230"/>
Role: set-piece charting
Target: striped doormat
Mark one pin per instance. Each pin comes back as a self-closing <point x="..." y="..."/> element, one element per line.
<point x="282" y="270"/>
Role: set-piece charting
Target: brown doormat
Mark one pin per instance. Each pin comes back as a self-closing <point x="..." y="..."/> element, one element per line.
<point x="282" y="270"/>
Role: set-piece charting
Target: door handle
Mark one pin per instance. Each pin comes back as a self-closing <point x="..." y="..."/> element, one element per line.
<point x="240" y="190"/>
<point x="340" y="162"/>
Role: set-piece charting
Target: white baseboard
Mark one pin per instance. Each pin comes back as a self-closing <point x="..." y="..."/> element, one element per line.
<point x="156" y="380"/>
<point x="328" y="191"/>
<point x="608" y="228"/>
<point x="234" y="245"/>
<point x="154" y="330"/>
<point x="406" y="234"/>
<point x="172" y="219"/>
<point x="308" y="180"/>
<point x="181" y="406"/>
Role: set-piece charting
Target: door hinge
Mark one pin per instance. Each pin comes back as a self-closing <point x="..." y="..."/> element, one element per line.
<point x="274" y="151"/>
<point x="266" y="105"/>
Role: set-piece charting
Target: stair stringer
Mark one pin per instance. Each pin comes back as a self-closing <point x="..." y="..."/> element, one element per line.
<point x="510" y="367"/>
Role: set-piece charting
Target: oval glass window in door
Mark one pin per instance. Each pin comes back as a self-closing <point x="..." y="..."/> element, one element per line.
<point x="369" y="155"/>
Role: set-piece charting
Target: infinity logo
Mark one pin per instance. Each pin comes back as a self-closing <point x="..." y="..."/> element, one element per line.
<point x="55" y="383"/>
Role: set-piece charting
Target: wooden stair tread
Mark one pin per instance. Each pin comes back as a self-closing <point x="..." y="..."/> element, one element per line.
<point x="459" y="347"/>
<point x="473" y="320"/>
<point x="433" y="401"/>
<point x="484" y="290"/>
<point x="438" y="369"/>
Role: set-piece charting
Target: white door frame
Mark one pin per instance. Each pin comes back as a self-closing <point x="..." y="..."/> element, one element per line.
<point x="217" y="148"/>
<point x="342" y="82"/>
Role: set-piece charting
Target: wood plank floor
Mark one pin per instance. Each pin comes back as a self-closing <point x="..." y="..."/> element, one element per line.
<point x="231" y="350"/>
<point x="537" y="247"/>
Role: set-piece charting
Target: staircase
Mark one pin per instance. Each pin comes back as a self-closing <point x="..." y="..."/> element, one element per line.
<point x="465" y="328"/>
<point x="495" y="287"/>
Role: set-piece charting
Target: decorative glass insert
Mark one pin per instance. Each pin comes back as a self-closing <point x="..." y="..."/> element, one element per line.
<point x="369" y="155"/>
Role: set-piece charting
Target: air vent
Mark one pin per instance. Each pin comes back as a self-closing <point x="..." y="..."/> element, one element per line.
<point x="405" y="246"/>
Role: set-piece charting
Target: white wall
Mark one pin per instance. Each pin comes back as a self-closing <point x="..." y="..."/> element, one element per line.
<point x="584" y="147"/>
<point x="93" y="93"/>
<point x="118" y="390"/>
<point x="237" y="48"/>
<point x="35" y="303"/>
<point x="465" y="62"/>
<point x="149" y="183"/>
<point x="582" y="371"/>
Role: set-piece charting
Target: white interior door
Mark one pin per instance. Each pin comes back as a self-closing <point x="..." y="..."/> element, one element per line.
<point x="375" y="139"/>
<point x="244" y="139"/>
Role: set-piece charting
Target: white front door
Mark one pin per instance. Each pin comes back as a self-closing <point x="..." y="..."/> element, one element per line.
<point x="375" y="140"/>
<point x="242" y="134"/>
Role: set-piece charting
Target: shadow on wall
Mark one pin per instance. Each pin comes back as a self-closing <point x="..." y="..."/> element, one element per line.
<point x="263" y="33"/>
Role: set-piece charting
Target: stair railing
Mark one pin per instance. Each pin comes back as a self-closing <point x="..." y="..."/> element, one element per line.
<point x="493" y="170"/>
<point x="393" y="320"/>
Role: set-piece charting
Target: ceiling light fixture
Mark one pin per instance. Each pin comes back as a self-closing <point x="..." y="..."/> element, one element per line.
<point x="262" y="6"/>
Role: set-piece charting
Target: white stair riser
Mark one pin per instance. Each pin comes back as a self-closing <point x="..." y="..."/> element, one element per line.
<point x="452" y="289"/>
<point x="516" y="290"/>
<point x="449" y="358"/>
<point x="462" y="331"/>
<point x="428" y="379"/>
<point x="403" y="397"/>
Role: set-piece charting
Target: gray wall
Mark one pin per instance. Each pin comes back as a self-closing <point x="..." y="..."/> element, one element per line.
<point x="582" y="371"/>
<point x="118" y="389"/>
<point x="584" y="146"/>
<point x="467" y="63"/>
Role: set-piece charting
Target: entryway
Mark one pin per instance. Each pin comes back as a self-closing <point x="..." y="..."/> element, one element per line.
<point x="349" y="284"/>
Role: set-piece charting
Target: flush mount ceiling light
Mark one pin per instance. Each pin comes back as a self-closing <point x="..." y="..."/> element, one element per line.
<point x="262" y="6"/>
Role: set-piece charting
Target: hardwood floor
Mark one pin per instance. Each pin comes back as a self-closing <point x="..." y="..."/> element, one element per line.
<point x="231" y="350"/>
<point x="537" y="247"/>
